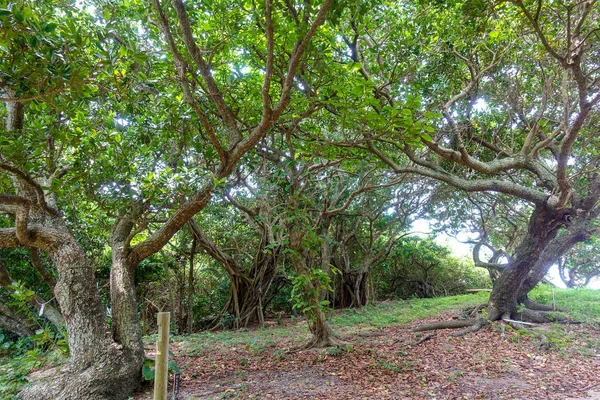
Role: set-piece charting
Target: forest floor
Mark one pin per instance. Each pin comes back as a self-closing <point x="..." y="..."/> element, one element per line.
<point x="383" y="360"/>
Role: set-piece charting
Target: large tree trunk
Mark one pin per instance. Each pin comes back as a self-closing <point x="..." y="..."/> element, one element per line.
<point x="503" y="303"/>
<point x="126" y="327"/>
<point x="543" y="227"/>
<point x="577" y="232"/>
<point x="98" y="367"/>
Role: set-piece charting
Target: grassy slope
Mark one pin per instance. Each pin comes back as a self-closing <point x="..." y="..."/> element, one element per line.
<point x="584" y="303"/>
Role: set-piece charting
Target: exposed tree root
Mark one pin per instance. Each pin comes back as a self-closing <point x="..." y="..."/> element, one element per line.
<point x="322" y="343"/>
<point x="539" y="317"/>
<point x="471" y="312"/>
<point x="520" y="319"/>
<point x="520" y="326"/>
<point x="477" y="325"/>
<point x="425" y="338"/>
<point x="454" y="324"/>
<point x="535" y="306"/>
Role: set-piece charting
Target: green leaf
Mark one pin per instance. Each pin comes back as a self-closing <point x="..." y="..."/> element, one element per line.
<point x="174" y="367"/>
<point x="148" y="373"/>
<point x="49" y="27"/>
<point x="5" y="13"/>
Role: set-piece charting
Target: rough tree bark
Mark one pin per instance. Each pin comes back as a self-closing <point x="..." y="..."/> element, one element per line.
<point x="98" y="367"/>
<point x="543" y="227"/>
<point x="579" y="230"/>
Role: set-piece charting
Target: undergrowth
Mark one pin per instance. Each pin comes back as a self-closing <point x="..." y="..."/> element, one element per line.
<point x="20" y="358"/>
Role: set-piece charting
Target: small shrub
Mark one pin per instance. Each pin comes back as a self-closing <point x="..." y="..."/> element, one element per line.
<point x="149" y="368"/>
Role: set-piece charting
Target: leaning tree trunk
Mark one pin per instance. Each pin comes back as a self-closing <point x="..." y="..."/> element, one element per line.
<point x="586" y="210"/>
<point x="577" y="232"/>
<point x="543" y="227"/>
<point x="503" y="303"/>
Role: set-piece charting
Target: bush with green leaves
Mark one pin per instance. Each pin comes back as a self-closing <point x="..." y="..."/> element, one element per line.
<point x="422" y="268"/>
<point x="47" y="336"/>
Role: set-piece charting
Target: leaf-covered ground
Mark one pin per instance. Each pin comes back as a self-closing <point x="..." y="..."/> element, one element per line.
<point x="386" y="363"/>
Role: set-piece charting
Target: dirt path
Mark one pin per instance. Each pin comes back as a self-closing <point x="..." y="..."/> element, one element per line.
<point x="388" y="365"/>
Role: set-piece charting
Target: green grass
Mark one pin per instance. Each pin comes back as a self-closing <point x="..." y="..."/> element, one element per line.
<point x="584" y="304"/>
<point x="401" y="312"/>
<point x="255" y="340"/>
<point x="381" y="315"/>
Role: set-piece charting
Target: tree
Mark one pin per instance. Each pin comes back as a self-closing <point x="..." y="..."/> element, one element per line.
<point x="366" y="235"/>
<point x="580" y="265"/>
<point x="104" y="365"/>
<point x="485" y="126"/>
<point x="253" y="268"/>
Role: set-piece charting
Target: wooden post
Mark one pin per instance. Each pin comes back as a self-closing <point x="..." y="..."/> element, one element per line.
<point x="161" y="376"/>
